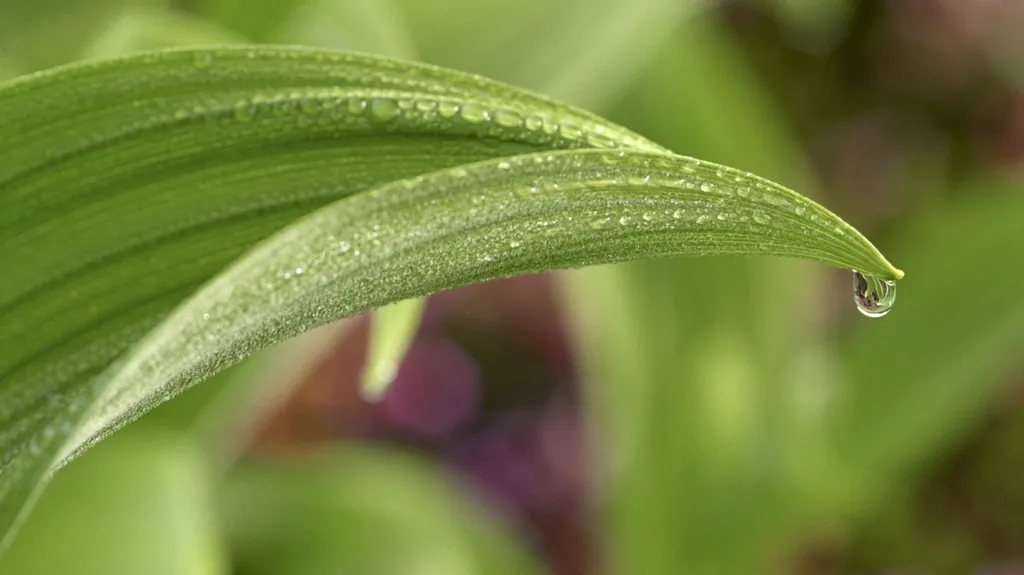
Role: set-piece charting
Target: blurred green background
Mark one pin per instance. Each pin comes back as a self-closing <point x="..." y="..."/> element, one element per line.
<point x="673" y="416"/>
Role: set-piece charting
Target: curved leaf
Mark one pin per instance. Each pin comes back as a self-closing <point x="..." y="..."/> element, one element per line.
<point x="126" y="185"/>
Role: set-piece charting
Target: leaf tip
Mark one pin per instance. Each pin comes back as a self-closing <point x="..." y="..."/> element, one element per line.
<point x="376" y="380"/>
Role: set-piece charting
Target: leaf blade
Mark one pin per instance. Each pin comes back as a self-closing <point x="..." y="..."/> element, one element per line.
<point x="327" y="266"/>
<point x="128" y="184"/>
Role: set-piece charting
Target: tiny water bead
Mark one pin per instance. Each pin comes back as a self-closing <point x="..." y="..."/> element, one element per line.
<point x="447" y="109"/>
<point x="383" y="110"/>
<point x="202" y="59"/>
<point x="474" y="113"/>
<point x="874" y="297"/>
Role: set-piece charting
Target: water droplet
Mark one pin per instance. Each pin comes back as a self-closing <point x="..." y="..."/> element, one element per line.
<point x="800" y="210"/>
<point x="508" y="119"/>
<point x="356" y="105"/>
<point x="600" y="223"/>
<point x="406" y="105"/>
<point x="761" y="217"/>
<point x="570" y="131"/>
<point x="202" y="59"/>
<point x="703" y="219"/>
<point x="447" y="109"/>
<point x="244" y="111"/>
<point x="600" y="141"/>
<point x="475" y="113"/>
<point x="533" y="123"/>
<point x="344" y="247"/>
<point x="743" y="192"/>
<point x="648" y="216"/>
<point x="504" y="165"/>
<point x="678" y="213"/>
<point x="706" y="187"/>
<point x="514" y="243"/>
<point x="723" y="216"/>
<point x="874" y="297"/>
<point x="383" y="109"/>
<point x="426" y="105"/>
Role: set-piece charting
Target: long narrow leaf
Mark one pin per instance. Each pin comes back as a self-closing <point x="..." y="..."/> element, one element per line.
<point x="126" y="185"/>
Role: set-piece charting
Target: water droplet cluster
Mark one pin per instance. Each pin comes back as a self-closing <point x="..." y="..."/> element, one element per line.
<point x="332" y="108"/>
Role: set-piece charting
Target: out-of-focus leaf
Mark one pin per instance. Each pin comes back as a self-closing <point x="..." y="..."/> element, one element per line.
<point x="138" y="504"/>
<point x="392" y="331"/>
<point x="257" y="20"/>
<point x="128" y="184"/>
<point x="581" y="51"/>
<point x="930" y="371"/>
<point x="37" y="34"/>
<point x="690" y="361"/>
<point x="361" y="511"/>
<point x="138" y="30"/>
<point x="373" y="26"/>
<point x="815" y="25"/>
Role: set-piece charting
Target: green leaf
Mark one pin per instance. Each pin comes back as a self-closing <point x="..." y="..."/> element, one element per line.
<point x="367" y="25"/>
<point x="126" y="185"/>
<point x="137" y="29"/>
<point x="391" y="333"/>
<point x="581" y="51"/>
<point x="361" y="511"/>
<point x="140" y="503"/>
<point x="42" y="33"/>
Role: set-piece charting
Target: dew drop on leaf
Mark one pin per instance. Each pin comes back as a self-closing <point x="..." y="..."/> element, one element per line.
<point x="474" y="113"/>
<point x="202" y="59"/>
<point x="383" y="109"/>
<point x="508" y="119"/>
<point x="874" y="297"/>
<point x="447" y="109"/>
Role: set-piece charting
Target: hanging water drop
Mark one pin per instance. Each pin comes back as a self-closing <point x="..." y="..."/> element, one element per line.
<point x="874" y="297"/>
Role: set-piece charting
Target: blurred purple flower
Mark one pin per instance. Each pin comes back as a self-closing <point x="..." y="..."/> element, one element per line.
<point x="437" y="389"/>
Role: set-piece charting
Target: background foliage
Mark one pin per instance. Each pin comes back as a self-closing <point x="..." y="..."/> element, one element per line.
<point x="676" y="416"/>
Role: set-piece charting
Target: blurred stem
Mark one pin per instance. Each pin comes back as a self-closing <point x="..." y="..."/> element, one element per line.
<point x="392" y="331"/>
